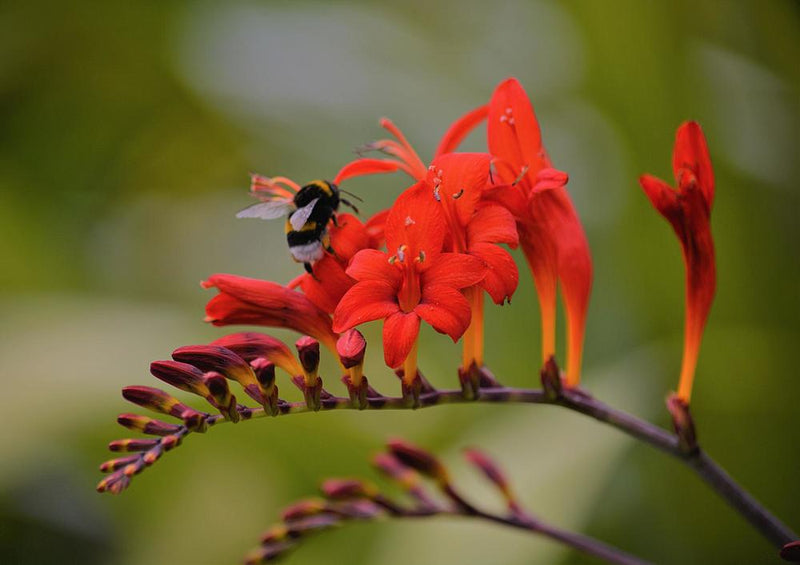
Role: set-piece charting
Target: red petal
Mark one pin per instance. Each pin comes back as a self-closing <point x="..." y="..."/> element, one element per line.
<point x="461" y="178"/>
<point x="549" y="179"/>
<point x="456" y="270"/>
<point x="371" y="264"/>
<point x="509" y="197"/>
<point x="415" y="221"/>
<point x="328" y="285"/>
<point x="400" y="331"/>
<point x="361" y="167"/>
<point x="349" y="237"/>
<point x="691" y="152"/>
<point x="492" y="224"/>
<point x="364" y="302"/>
<point x="253" y="301"/>
<point x="446" y="309"/>
<point x="375" y="227"/>
<point x="460" y="129"/>
<point x="519" y="141"/>
<point x="502" y="275"/>
<point x="663" y="197"/>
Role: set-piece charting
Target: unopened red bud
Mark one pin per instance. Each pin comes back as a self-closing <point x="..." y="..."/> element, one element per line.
<point x="392" y="468"/>
<point x="132" y="444"/>
<point x="114" y="483"/>
<point x="419" y="460"/>
<point x="219" y="395"/>
<point x="303" y="509"/>
<point x="351" y="348"/>
<point x="159" y="401"/>
<point x="180" y="375"/>
<point x="274" y="534"/>
<point x="304" y="526"/>
<point x="147" y="425"/>
<point x="345" y="489"/>
<point x="308" y="353"/>
<point x="119" y="463"/>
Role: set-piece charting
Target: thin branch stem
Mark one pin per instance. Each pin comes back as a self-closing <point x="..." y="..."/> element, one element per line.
<point x="578" y="401"/>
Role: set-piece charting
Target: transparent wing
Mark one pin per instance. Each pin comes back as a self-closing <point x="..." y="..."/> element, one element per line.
<point x="300" y="217"/>
<point x="267" y="210"/>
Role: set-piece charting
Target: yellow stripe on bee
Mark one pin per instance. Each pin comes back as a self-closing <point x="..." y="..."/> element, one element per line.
<point x="309" y="226"/>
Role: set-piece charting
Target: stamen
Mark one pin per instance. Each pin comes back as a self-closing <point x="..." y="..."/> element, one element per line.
<point x="421" y="257"/>
<point x="409" y="221"/>
<point x="522" y="173"/>
<point x="458" y="194"/>
<point x="401" y="253"/>
<point x="393" y="259"/>
<point x="436" y="194"/>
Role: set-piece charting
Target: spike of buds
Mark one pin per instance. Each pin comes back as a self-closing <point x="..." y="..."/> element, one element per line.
<point x="147" y="425"/>
<point x="683" y="423"/>
<point x="551" y="379"/>
<point x="270" y="551"/>
<point x="419" y="460"/>
<point x="159" y="401"/>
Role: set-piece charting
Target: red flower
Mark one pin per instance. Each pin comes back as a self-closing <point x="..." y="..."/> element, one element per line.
<point x="473" y="229"/>
<point x="256" y="302"/>
<point x="458" y="181"/>
<point x="414" y="281"/>
<point x="551" y="235"/>
<point x="688" y="209"/>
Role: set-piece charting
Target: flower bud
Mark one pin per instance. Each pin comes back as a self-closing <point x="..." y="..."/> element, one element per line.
<point x="308" y="353"/>
<point x="419" y="460"/>
<point x="147" y="425"/>
<point x="346" y="489"/>
<point x="159" y="401"/>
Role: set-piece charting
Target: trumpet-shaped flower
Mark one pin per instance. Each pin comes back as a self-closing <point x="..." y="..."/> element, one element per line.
<point x="414" y="281"/>
<point x="687" y="208"/>
<point x="551" y="235"/>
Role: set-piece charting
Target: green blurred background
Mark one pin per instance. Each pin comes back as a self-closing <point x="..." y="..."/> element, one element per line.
<point x="128" y="130"/>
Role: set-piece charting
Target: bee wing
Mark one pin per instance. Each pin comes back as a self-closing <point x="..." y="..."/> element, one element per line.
<point x="267" y="210"/>
<point x="300" y="217"/>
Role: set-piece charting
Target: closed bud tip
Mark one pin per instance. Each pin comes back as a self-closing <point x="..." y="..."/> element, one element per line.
<point x="351" y="348"/>
<point x="419" y="460"/>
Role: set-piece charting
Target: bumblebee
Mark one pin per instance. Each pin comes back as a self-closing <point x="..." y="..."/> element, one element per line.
<point x="307" y="212"/>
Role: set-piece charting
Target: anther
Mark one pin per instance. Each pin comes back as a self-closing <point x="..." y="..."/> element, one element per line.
<point x="409" y="221"/>
<point x="436" y="193"/>
<point x="458" y="194"/>
<point x="421" y="257"/>
<point x="401" y="253"/>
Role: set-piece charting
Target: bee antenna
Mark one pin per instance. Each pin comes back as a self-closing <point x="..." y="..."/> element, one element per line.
<point x="351" y="194"/>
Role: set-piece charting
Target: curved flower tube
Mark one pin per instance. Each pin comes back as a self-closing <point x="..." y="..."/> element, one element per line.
<point x="551" y="235"/>
<point x="242" y="300"/>
<point x="688" y="210"/>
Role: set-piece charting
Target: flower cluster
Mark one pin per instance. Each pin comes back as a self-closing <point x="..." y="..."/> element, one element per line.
<point x="433" y="255"/>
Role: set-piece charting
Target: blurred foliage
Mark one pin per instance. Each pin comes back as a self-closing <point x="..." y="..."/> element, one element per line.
<point x="128" y="130"/>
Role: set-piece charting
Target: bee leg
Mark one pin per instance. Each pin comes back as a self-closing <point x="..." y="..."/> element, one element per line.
<point x="310" y="270"/>
<point x="348" y="203"/>
<point x="335" y="220"/>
